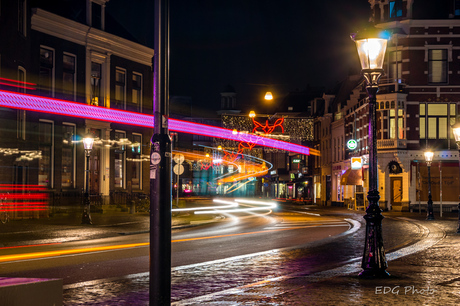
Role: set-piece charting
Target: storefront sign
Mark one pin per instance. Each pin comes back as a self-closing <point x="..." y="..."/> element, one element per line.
<point x="356" y="163"/>
<point x="296" y="160"/>
<point x="352" y="144"/>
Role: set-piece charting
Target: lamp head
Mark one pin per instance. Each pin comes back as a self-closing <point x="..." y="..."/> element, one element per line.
<point x="252" y="114"/>
<point x="88" y="142"/>
<point x="428" y="156"/>
<point x="268" y="96"/>
<point x="456" y="130"/>
<point x="371" y="45"/>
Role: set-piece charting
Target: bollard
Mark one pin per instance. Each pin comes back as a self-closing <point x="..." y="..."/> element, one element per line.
<point x="458" y="229"/>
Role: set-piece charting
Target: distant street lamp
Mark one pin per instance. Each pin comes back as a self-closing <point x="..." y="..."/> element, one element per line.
<point x="429" y="159"/>
<point x="456" y="130"/>
<point x="371" y="50"/>
<point x="268" y="96"/>
<point x="88" y="145"/>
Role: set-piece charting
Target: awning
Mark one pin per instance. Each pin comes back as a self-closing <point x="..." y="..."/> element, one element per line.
<point x="352" y="177"/>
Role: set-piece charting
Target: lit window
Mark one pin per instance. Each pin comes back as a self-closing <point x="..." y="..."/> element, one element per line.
<point x="120" y="88"/>
<point x="392" y="124"/>
<point x="434" y="119"/>
<point x="137" y="91"/>
<point x="437" y="66"/>
<point x="96" y="71"/>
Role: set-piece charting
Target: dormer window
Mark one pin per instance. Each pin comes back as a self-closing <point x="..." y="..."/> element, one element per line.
<point x="95" y="13"/>
<point x="395" y="9"/>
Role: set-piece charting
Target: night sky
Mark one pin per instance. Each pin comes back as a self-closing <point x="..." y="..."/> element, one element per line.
<point x="253" y="45"/>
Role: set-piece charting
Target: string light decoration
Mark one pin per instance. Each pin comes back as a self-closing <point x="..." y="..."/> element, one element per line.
<point x="267" y="128"/>
<point x="296" y="130"/>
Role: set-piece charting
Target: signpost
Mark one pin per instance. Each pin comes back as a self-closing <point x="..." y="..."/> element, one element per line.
<point x="178" y="170"/>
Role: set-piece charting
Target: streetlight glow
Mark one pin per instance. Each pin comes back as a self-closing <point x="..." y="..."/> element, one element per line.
<point x="268" y="96"/>
<point x="371" y="52"/>
<point x="456" y="131"/>
<point x="428" y="156"/>
<point x="88" y="143"/>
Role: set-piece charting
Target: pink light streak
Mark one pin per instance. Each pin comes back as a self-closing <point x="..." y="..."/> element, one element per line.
<point x="61" y="107"/>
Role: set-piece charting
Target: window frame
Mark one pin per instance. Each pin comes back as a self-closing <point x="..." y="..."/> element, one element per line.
<point x="74" y="159"/>
<point x="123" y="161"/>
<point x="395" y="9"/>
<point x="22" y="17"/>
<point x="117" y="83"/>
<point x="426" y="117"/>
<point x="139" y="163"/>
<point x="65" y="70"/>
<point x="51" y="148"/>
<point x="52" y="66"/>
<point x="432" y="62"/>
<point x="141" y="90"/>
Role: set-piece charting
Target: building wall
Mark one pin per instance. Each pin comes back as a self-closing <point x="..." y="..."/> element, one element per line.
<point x="64" y="37"/>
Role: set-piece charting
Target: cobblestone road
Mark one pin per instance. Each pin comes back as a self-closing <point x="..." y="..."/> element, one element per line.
<point x="303" y="276"/>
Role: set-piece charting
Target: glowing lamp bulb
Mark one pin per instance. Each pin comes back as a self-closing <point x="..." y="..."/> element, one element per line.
<point x="429" y="156"/>
<point x="456" y="131"/>
<point x="88" y="143"/>
<point x="268" y="96"/>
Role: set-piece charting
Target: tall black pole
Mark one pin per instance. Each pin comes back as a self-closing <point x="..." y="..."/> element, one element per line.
<point x="160" y="166"/>
<point x="430" y="215"/>
<point x="374" y="262"/>
<point x="86" y="217"/>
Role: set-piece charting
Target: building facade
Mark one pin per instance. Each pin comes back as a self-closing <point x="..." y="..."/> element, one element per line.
<point x="417" y="103"/>
<point x="52" y="51"/>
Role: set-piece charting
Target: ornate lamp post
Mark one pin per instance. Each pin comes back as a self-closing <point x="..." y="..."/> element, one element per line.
<point x="371" y="50"/>
<point x="429" y="159"/>
<point x="456" y="130"/>
<point x="88" y="142"/>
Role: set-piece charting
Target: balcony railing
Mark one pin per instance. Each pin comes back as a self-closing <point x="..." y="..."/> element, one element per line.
<point x="390" y="85"/>
<point x="383" y="144"/>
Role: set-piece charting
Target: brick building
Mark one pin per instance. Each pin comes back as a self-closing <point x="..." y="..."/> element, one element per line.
<point x="418" y="102"/>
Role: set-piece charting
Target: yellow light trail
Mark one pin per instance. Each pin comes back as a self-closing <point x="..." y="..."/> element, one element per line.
<point x="36" y="255"/>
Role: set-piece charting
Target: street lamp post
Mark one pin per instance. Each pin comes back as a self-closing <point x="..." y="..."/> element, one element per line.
<point x="456" y="130"/>
<point x="429" y="159"/>
<point x="371" y="51"/>
<point x="88" y="142"/>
